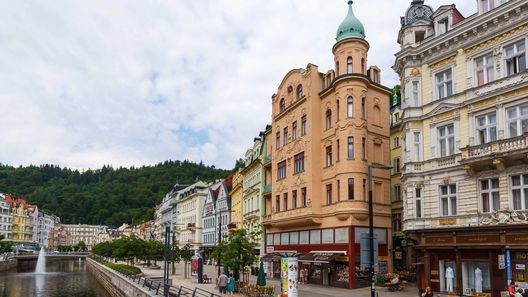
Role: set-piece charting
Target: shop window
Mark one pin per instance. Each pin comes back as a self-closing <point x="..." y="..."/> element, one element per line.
<point x="315" y="237"/>
<point x="285" y="238"/>
<point x="475" y="278"/>
<point x="448" y="276"/>
<point x="294" y="238"/>
<point x="328" y="236"/>
<point x="276" y="239"/>
<point x="341" y="235"/>
<point x="304" y="237"/>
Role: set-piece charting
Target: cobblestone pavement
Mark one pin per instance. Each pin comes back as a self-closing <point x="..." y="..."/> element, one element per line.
<point x="305" y="290"/>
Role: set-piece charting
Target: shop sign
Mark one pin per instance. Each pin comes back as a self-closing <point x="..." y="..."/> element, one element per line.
<point x="398" y="255"/>
<point x="448" y="222"/>
<point x="341" y="258"/>
<point x="517" y="238"/>
<point x="434" y="272"/>
<point x="434" y="240"/>
<point x="520" y="266"/>
<point x="502" y="262"/>
<point x="478" y="239"/>
<point x="521" y="256"/>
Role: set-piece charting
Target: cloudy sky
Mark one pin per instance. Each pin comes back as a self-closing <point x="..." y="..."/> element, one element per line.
<point x="121" y="82"/>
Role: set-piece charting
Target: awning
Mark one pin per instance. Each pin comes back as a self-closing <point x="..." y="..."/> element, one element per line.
<point x="320" y="257"/>
<point x="270" y="258"/>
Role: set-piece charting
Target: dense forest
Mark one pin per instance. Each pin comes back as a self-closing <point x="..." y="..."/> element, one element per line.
<point x="110" y="196"/>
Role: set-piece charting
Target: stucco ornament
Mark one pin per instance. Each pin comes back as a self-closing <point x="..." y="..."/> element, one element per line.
<point x="415" y="72"/>
<point x="504" y="217"/>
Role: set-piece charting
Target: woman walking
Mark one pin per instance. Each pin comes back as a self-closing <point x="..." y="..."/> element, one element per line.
<point x="231" y="285"/>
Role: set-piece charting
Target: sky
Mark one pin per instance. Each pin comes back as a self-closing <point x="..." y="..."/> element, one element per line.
<point x="127" y="83"/>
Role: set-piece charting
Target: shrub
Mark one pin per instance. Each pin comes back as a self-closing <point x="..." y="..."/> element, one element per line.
<point x="123" y="268"/>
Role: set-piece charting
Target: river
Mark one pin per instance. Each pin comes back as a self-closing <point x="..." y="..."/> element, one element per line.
<point x="64" y="278"/>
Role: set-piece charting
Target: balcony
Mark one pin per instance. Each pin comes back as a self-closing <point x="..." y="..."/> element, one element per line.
<point x="266" y="160"/>
<point x="495" y="155"/>
<point x="267" y="189"/>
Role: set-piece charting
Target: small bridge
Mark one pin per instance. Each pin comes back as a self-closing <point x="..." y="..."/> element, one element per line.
<point x="54" y="256"/>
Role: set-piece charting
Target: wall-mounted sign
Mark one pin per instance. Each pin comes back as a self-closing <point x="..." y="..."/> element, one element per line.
<point x="520" y="266"/>
<point x="502" y="262"/>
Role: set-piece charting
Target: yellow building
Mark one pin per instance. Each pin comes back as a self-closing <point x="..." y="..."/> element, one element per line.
<point x="19" y="211"/>
<point x="236" y="199"/>
<point x="464" y="123"/>
<point x="326" y="130"/>
<point x="398" y="244"/>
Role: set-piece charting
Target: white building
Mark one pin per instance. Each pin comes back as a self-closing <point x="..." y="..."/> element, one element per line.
<point x="189" y="203"/>
<point x="6" y="219"/>
<point x="165" y="215"/>
<point x="45" y="229"/>
<point x="90" y="234"/>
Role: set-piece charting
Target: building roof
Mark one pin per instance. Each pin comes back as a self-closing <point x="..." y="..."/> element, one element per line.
<point x="351" y="27"/>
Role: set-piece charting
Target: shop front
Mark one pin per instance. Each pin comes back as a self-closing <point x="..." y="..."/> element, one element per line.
<point x="326" y="268"/>
<point x="472" y="262"/>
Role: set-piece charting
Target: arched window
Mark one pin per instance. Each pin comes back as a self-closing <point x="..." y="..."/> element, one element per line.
<point x="363" y="108"/>
<point x="328" y="119"/>
<point x="363" y="65"/>
<point x="299" y="92"/>
<point x="337" y="68"/>
<point x="282" y="105"/>
<point x="349" y="65"/>
<point x="350" y="107"/>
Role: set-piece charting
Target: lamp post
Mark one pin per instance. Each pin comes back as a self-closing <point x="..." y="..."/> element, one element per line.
<point x="371" y="224"/>
<point x="166" y="262"/>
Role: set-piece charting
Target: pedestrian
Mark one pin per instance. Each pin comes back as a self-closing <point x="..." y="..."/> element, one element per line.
<point x="525" y="294"/>
<point x="231" y="285"/>
<point x="301" y="276"/>
<point x="305" y="274"/>
<point x="427" y="292"/>
<point x="222" y="283"/>
<point x="511" y="289"/>
<point x="519" y="293"/>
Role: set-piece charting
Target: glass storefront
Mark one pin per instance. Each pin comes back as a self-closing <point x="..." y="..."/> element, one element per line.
<point x="448" y="275"/>
<point x="475" y="277"/>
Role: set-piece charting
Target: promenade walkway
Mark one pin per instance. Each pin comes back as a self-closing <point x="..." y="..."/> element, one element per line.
<point x="305" y="290"/>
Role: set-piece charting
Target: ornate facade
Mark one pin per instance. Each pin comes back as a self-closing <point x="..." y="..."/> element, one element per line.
<point x="326" y="130"/>
<point x="464" y="125"/>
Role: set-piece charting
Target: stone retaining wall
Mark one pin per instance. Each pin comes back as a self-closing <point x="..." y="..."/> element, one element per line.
<point x="115" y="284"/>
<point x="8" y="264"/>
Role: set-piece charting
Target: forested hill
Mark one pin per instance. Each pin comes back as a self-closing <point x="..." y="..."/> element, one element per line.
<point x="110" y="196"/>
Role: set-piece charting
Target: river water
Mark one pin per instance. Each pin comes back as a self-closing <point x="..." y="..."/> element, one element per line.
<point x="65" y="278"/>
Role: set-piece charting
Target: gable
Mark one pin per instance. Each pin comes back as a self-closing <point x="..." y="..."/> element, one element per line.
<point x="442" y="108"/>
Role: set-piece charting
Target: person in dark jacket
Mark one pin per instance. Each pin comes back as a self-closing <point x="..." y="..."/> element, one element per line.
<point x="427" y="292"/>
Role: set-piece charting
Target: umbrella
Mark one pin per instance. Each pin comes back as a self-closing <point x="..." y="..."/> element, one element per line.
<point x="261" y="279"/>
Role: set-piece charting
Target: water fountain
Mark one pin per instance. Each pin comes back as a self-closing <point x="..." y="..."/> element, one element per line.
<point x="41" y="262"/>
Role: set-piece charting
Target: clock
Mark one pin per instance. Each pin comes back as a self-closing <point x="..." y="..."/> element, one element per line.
<point x="419" y="12"/>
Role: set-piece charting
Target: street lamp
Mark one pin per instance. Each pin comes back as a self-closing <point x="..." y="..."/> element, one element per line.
<point x="371" y="223"/>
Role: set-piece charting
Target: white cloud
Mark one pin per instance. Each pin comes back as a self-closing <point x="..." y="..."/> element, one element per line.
<point x="138" y="82"/>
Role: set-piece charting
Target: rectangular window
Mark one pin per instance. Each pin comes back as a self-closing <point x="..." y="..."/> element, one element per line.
<point x="338" y="190"/>
<point x="484" y="70"/>
<point x="303" y="197"/>
<point x="362" y="108"/>
<point x="446" y="140"/>
<point x="442" y="26"/>
<point x="285" y="201"/>
<point x="397" y="193"/>
<point x="285" y="238"/>
<point x="519" y="191"/>
<point x="304" y="237"/>
<point x="416" y="93"/>
<point x="515" y="57"/>
<point x="277" y="203"/>
<point x="294" y="238"/>
<point x="489" y="195"/>
<point x="328" y="236"/>
<point x="281" y="170"/>
<point x="350" y="147"/>
<point x="337" y="149"/>
<point x="315" y="237"/>
<point x="329" y="194"/>
<point x="285" y="140"/>
<point x="487" y="128"/>
<point x="396" y="165"/>
<point x="419" y="36"/>
<point x="448" y="204"/>
<point x="350" y="189"/>
<point x="277" y="140"/>
<point x="364" y="189"/>
<point x="363" y="149"/>
<point x="341" y="235"/>
<point x="396" y="142"/>
<point x="517" y="120"/>
<point x="444" y="84"/>
<point x="396" y="222"/>
<point x="294" y="130"/>
<point x="303" y="125"/>
<point x="294" y="199"/>
<point x="486" y="5"/>
<point x="329" y="156"/>
<point x="299" y="162"/>
<point x="417" y="146"/>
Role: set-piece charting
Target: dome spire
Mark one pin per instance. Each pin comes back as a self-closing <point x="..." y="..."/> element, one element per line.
<point x="351" y="27"/>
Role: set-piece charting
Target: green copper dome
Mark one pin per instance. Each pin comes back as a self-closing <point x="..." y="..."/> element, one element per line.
<point x="351" y="27"/>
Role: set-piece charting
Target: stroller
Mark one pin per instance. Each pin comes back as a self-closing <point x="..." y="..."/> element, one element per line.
<point x="395" y="285"/>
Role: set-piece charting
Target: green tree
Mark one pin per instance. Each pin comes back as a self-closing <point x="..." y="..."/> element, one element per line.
<point x="174" y="257"/>
<point x="5" y="245"/>
<point x="186" y="254"/>
<point x="238" y="251"/>
<point x="81" y="246"/>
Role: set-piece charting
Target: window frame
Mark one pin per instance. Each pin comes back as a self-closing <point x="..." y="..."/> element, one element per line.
<point x="303" y="125"/>
<point x="515" y="55"/>
<point x="285" y="136"/>
<point x="329" y="194"/>
<point x="449" y="151"/>
<point x="350" y="107"/>
<point x="418" y="202"/>
<point x="294" y="130"/>
<point x="518" y="119"/>
<point x="299" y="91"/>
<point x="304" y="197"/>
<point x="350" y="65"/>
<point x="415" y="86"/>
<point x="350" y="147"/>
<point x="485" y="68"/>
<point x="328" y="119"/>
<point x="281" y="170"/>
<point x="489" y="191"/>
<point x="298" y="161"/>
<point x="282" y="105"/>
<point x="294" y="199"/>
<point x="328" y="156"/>
<point x="351" y="189"/>
<point x="417" y="146"/>
<point x="277" y="140"/>
<point x="486" y="128"/>
<point x="444" y="83"/>
<point x="452" y="210"/>
<point x="522" y="188"/>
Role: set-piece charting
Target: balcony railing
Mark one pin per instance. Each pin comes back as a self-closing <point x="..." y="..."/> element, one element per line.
<point x="267" y="159"/>
<point x="499" y="146"/>
<point x="267" y="189"/>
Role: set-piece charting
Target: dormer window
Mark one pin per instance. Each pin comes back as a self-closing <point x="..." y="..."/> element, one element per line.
<point x="443" y="26"/>
<point x="282" y="105"/>
<point x="486" y="5"/>
<point x="349" y="65"/>
<point x="419" y="36"/>
<point x="299" y="91"/>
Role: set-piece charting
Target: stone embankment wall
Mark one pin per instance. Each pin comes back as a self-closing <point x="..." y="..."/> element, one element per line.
<point x="8" y="264"/>
<point x="115" y="284"/>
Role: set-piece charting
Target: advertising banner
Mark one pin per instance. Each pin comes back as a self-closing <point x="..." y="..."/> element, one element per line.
<point x="290" y="277"/>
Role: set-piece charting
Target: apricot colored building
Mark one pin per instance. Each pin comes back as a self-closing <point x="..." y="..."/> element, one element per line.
<point x="326" y="129"/>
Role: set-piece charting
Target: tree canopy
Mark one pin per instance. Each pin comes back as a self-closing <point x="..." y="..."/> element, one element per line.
<point x="109" y="196"/>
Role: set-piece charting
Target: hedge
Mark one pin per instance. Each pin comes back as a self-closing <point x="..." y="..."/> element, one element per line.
<point x="124" y="269"/>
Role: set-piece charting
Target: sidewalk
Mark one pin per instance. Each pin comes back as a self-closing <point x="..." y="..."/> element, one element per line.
<point x="305" y="290"/>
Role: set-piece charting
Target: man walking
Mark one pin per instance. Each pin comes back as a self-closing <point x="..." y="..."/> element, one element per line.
<point x="222" y="284"/>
